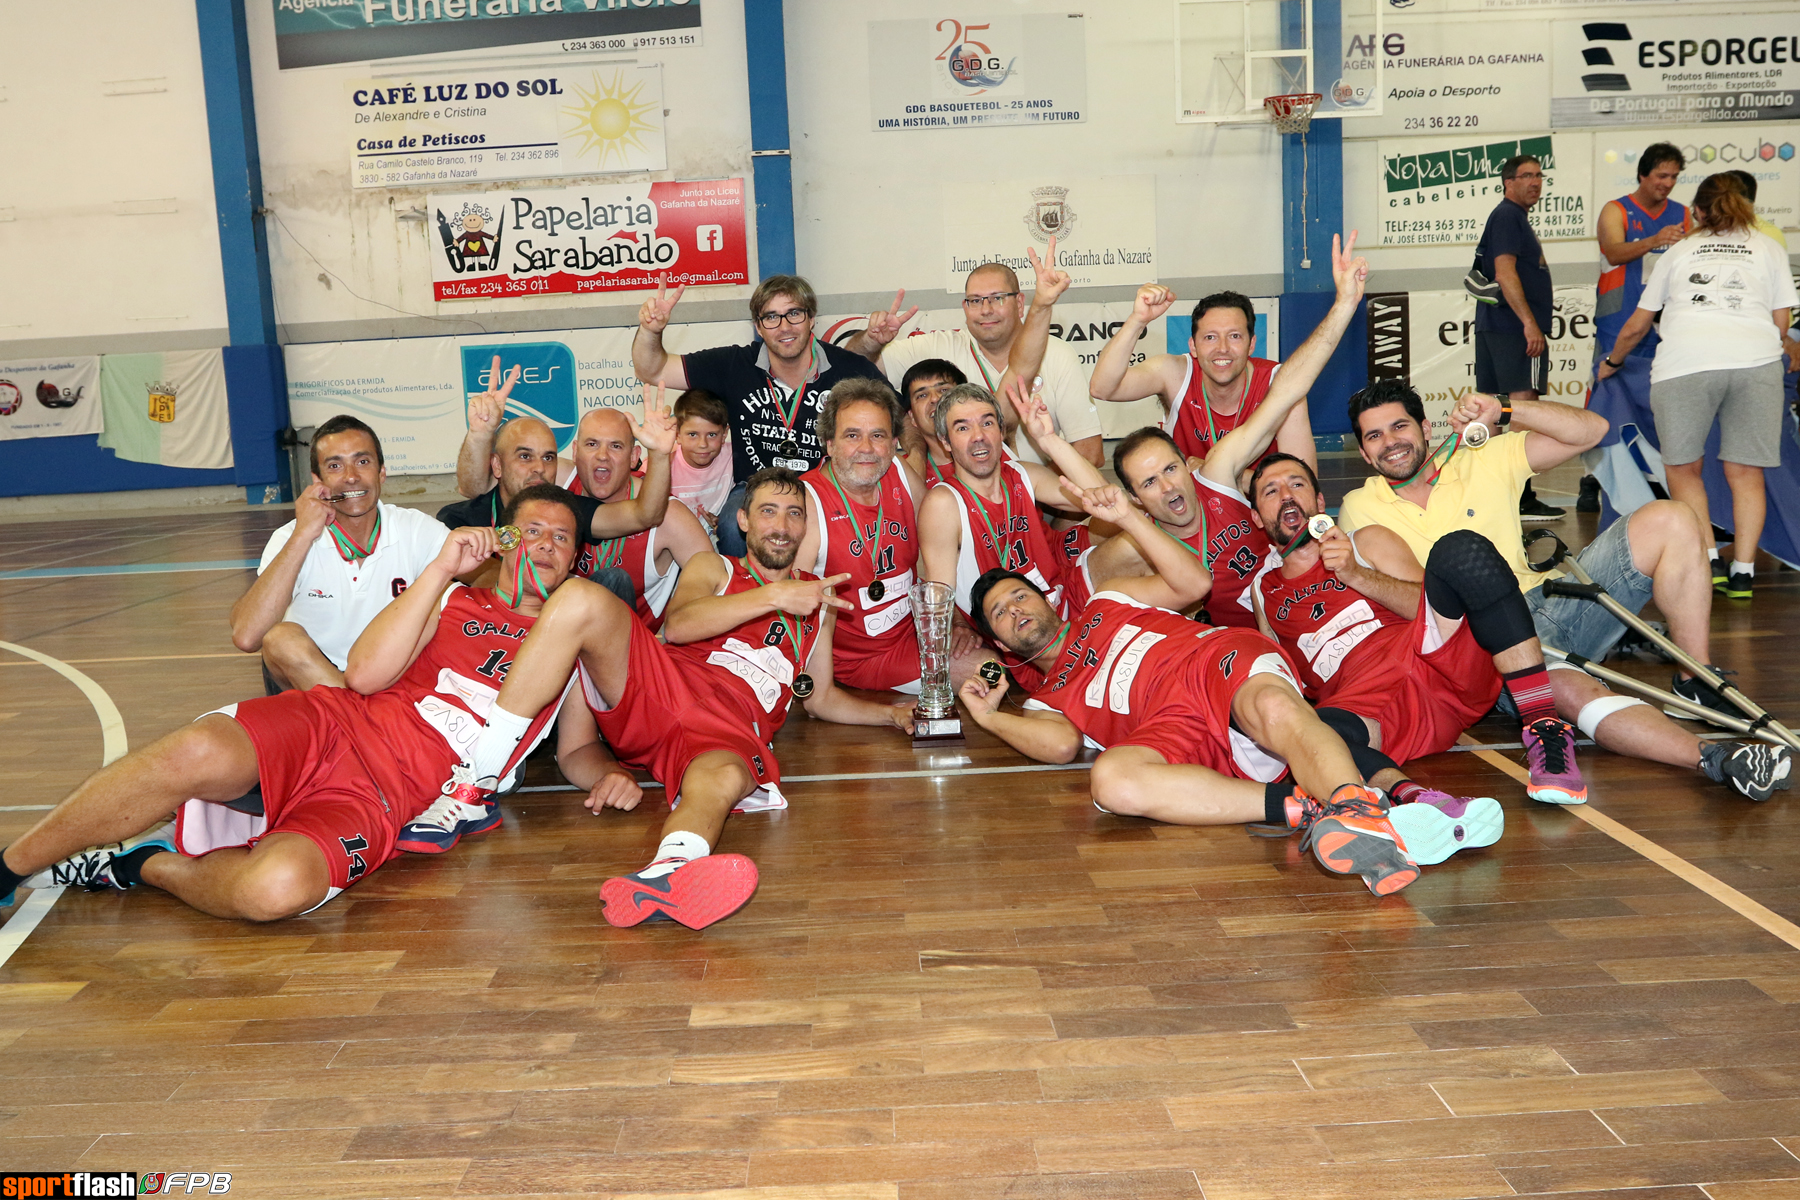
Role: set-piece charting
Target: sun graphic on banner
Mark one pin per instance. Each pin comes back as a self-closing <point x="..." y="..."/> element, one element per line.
<point x="609" y="118"/>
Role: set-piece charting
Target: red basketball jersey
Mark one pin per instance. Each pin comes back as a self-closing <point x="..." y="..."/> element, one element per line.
<point x="1237" y="549"/>
<point x="756" y="662"/>
<point x="875" y="630"/>
<point x="1187" y="418"/>
<point x="1331" y="631"/>
<point x="1033" y="549"/>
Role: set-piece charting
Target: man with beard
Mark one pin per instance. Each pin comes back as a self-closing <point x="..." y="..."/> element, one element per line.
<point x="343" y="558"/>
<point x="339" y="771"/>
<point x="1196" y="724"/>
<point x="744" y="638"/>
<point x="1417" y="653"/>
<point x="1655" y="552"/>
<point x="1203" y="508"/>
<point x="650" y="558"/>
<point x="772" y="388"/>
<point x="862" y="522"/>
<point x="1214" y="387"/>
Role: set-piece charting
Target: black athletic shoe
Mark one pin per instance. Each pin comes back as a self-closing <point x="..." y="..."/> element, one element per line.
<point x="1740" y="584"/>
<point x="1589" y="499"/>
<point x="1701" y="693"/>
<point x="1756" y="769"/>
<point x="1533" y="509"/>
<point x="1720" y="579"/>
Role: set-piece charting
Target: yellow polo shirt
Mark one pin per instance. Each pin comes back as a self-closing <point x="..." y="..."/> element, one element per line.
<point x="1478" y="489"/>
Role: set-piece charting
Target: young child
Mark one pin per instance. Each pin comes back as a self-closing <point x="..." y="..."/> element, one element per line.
<point x="700" y="475"/>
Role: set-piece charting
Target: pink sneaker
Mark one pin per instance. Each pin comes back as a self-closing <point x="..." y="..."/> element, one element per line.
<point x="1437" y="824"/>
<point x="1550" y="760"/>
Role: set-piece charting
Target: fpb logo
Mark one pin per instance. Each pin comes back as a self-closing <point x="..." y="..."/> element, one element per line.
<point x="168" y="1183"/>
<point x="545" y="388"/>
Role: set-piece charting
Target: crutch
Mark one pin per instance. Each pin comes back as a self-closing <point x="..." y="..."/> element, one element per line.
<point x="1757" y="721"/>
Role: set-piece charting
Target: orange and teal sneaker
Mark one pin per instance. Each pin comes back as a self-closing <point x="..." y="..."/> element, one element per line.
<point x="1353" y="836"/>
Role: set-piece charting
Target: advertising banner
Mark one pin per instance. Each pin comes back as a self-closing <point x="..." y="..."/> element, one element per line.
<point x="475" y="125"/>
<point x="1105" y="227"/>
<point x="1680" y="70"/>
<point x="313" y="33"/>
<point x="1429" y="339"/>
<point x="49" y="397"/>
<point x="607" y="238"/>
<point x="1441" y="76"/>
<point x="971" y="70"/>
<point x="1439" y="191"/>
<point x="1766" y="151"/>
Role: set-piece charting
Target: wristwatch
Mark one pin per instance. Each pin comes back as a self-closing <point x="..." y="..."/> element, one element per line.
<point x="1615" y="366"/>
<point x="1505" y="420"/>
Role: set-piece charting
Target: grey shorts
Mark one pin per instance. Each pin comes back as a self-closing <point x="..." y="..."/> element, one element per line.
<point x="1745" y="400"/>
<point x="1582" y="626"/>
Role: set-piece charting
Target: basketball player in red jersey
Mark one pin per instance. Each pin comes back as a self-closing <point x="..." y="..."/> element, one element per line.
<point x="1416" y="652"/>
<point x="862" y="522"/>
<point x="340" y="770"/>
<point x="1196" y="724"/>
<point x="745" y="637"/>
<point x="652" y="558"/>
<point x="1214" y="387"/>
<point x="1202" y="508"/>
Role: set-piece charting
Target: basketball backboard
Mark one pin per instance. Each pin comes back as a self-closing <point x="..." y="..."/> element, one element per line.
<point x="1230" y="54"/>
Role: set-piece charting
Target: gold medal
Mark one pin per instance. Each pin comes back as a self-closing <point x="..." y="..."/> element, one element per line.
<point x="991" y="672"/>
<point x="509" y="537"/>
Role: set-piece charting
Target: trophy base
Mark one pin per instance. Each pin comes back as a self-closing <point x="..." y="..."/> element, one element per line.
<point x="932" y="732"/>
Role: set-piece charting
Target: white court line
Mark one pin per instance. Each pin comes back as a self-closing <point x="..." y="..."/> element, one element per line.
<point x="112" y="747"/>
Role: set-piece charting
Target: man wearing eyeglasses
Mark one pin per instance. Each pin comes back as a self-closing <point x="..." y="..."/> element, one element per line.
<point x="993" y="314"/>
<point x="1512" y="356"/>
<point x="772" y="388"/>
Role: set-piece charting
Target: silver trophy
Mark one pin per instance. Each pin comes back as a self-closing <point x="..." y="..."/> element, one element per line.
<point x="935" y="722"/>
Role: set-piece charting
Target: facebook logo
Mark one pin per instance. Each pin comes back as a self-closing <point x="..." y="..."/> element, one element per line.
<point x="709" y="237"/>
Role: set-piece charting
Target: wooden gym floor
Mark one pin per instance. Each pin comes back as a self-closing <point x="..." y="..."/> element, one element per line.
<point x="958" y="980"/>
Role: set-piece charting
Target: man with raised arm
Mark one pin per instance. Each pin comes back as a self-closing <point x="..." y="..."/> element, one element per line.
<point x="772" y="388"/>
<point x="1203" y="508"/>
<point x="993" y="314"/>
<point x="744" y="638"/>
<point x="1213" y="388"/>
<point x="1657" y="551"/>
<point x="650" y="558"/>
<point x="343" y="558"/>
<point x="340" y="770"/>
<point x="1196" y="724"/>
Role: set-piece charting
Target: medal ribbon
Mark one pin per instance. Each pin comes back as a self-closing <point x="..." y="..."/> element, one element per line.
<point x="981" y="365"/>
<point x="1212" y="431"/>
<point x="1433" y="463"/>
<point x="612" y="550"/>
<point x="793" y="638"/>
<point x="1055" y="652"/>
<point x="347" y="545"/>
<point x="1204" y="554"/>
<point x="790" y="414"/>
<point x="1001" y="549"/>
<point x="520" y="569"/>
<point x="874" y="545"/>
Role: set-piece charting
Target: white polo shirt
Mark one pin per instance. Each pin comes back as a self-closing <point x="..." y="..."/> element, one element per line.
<point x="334" y="600"/>
<point x="1065" y="379"/>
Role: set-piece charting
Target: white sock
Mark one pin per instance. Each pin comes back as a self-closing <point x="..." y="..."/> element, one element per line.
<point x="1712" y="552"/>
<point x="680" y="847"/>
<point x="1748" y="568"/>
<point x="497" y="742"/>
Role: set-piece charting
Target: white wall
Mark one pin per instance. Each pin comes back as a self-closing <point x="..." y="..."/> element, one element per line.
<point x="86" y="266"/>
<point x="327" y="228"/>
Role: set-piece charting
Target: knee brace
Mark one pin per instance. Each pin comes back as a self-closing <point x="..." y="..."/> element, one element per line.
<point x="1596" y="711"/>
<point x="1466" y="577"/>
<point x="1355" y="733"/>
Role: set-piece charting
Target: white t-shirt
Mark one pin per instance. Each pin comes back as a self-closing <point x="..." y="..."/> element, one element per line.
<point x="1065" y="379"/>
<point x="334" y="599"/>
<point x="1715" y="292"/>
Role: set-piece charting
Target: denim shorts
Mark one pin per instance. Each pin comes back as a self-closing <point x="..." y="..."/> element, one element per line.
<point x="1582" y="627"/>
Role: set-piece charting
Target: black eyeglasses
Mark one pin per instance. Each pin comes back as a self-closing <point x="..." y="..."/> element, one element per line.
<point x="985" y="301"/>
<point x="793" y="316"/>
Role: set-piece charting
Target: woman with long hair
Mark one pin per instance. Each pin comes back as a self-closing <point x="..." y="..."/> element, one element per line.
<point x="1725" y="294"/>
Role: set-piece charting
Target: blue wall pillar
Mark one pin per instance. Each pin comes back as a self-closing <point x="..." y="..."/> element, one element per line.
<point x="1312" y="186"/>
<point x="256" y="383"/>
<point x="765" y="53"/>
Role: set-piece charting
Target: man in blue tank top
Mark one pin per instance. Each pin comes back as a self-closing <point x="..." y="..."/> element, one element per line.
<point x="1634" y="231"/>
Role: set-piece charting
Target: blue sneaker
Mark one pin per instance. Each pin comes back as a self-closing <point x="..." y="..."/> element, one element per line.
<point x="466" y="808"/>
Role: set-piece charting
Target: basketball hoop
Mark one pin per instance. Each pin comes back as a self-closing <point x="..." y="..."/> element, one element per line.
<point x="1292" y="113"/>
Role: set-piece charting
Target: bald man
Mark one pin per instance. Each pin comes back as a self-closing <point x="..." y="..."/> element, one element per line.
<point x="652" y="558"/>
<point x="524" y="453"/>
